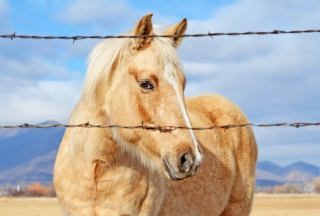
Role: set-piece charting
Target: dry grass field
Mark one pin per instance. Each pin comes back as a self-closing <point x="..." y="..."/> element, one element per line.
<point x="263" y="205"/>
<point x="29" y="207"/>
<point x="286" y="204"/>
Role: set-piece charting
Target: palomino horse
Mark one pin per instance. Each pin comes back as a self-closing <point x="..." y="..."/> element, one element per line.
<point x="119" y="171"/>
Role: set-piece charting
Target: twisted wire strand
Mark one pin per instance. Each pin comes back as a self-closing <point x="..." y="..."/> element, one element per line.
<point x="209" y="34"/>
<point x="160" y="128"/>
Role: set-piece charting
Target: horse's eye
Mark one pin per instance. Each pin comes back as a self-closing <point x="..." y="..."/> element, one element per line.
<point x="145" y="84"/>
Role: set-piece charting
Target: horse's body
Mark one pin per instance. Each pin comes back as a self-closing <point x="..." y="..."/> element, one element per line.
<point x="131" y="172"/>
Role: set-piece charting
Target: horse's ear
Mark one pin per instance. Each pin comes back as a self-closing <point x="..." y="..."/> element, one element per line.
<point x="144" y="28"/>
<point x="178" y="29"/>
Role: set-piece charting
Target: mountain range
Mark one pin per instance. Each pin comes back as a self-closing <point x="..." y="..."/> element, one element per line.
<point x="27" y="155"/>
<point x="270" y="174"/>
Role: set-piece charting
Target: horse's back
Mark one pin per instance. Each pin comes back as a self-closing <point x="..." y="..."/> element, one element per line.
<point x="215" y="108"/>
<point x="224" y="184"/>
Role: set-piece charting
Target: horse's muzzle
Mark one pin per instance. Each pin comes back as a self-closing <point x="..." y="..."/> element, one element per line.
<point x="185" y="171"/>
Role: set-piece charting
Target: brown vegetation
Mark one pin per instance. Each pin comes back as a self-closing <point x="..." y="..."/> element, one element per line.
<point x="317" y="186"/>
<point x="34" y="190"/>
<point x="291" y="188"/>
<point x="288" y="188"/>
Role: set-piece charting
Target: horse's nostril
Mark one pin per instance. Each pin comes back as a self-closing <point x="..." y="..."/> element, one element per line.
<point x="185" y="162"/>
<point x="183" y="159"/>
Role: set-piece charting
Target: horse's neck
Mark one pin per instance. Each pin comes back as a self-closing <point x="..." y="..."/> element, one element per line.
<point x="94" y="144"/>
<point x="105" y="174"/>
<point x="98" y="145"/>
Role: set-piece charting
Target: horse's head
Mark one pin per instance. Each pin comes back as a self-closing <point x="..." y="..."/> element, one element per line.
<point x="144" y="83"/>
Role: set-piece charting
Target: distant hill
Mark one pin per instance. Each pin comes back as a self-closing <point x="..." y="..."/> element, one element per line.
<point x="28" y="155"/>
<point x="37" y="170"/>
<point x="270" y="174"/>
<point x="283" y="171"/>
<point x="269" y="167"/>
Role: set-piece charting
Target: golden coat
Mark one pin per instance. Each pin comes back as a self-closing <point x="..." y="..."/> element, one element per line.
<point x="131" y="172"/>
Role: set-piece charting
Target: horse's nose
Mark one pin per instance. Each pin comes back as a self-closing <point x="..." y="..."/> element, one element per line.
<point x="186" y="162"/>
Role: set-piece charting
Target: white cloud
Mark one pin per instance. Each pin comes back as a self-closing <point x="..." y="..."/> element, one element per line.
<point x="109" y="18"/>
<point x="33" y="99"/>
<point x="4" y="11"/>
<point x="266" y="75"/>
<point x="36" y="84"/>
<point x="45" y="100"/>
<point x="4" y="7"/>
<point x="97" y="13"/>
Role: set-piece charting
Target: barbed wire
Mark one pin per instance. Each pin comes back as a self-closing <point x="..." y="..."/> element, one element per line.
<point x="160" y="128"/>
<point x="209" y="34"/>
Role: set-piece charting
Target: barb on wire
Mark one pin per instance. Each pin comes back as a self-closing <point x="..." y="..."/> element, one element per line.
<point x="165" y="129"/>
<point x="209" y="34"/>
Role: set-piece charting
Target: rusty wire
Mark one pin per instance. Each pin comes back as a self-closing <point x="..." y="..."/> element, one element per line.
<point x="160" y="128"/>
<point x="209" y="34"/>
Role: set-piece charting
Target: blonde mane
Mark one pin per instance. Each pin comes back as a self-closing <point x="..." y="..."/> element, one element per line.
<point x="105" y="53"/>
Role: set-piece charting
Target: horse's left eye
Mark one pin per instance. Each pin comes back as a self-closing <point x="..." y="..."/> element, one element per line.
<point x="146" y="84"/>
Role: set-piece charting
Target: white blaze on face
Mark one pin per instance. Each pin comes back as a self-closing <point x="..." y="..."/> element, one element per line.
<point x="169" y="75"/>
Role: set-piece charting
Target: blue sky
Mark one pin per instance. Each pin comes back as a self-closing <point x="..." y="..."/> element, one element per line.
<point x="272" y="78"/>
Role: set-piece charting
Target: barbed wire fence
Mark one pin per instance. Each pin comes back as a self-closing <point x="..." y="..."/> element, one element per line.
<point x="209" y="34"/>
<point x="159" y="128"/>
